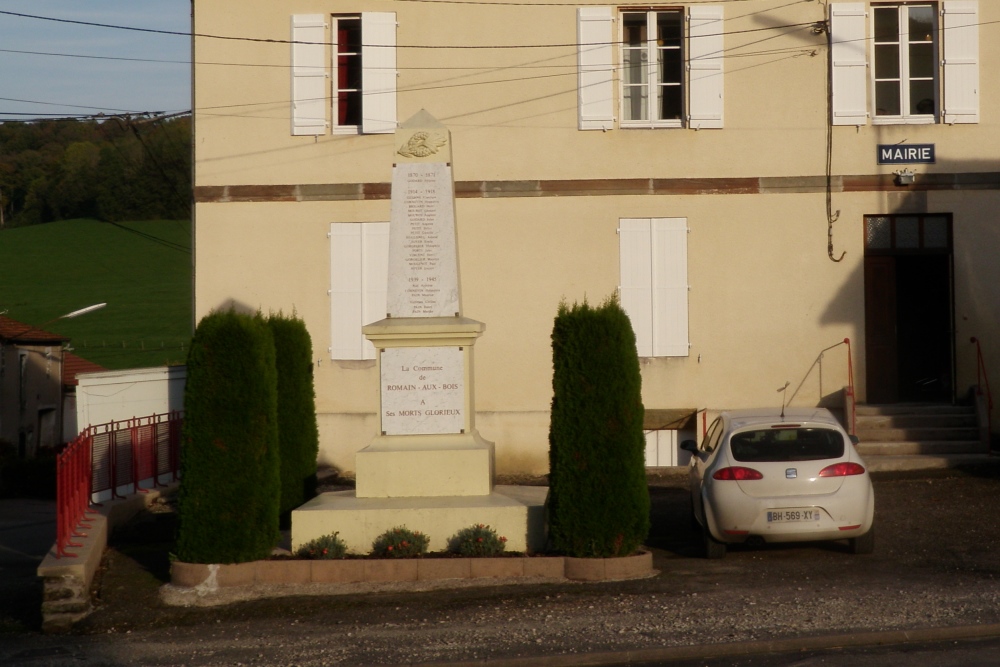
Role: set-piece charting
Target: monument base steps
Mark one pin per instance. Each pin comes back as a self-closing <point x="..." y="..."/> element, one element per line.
<point x="420" y="466"/>
<point x="515" y="512"/>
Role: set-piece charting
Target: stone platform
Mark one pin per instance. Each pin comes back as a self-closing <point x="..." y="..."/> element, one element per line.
<point x="515" y="512"/>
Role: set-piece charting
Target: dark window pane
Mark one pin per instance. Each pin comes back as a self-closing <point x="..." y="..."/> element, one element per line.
<point x="670" y="103"/>
<point x="886" y="61"/>
<point x="634" y="28"/>
<point x="921" y="24"/>
<point x="935" y="232"/>
<point x="348" y="72"/>
<point x="922" y="97"/>
<point x="668" y="29"/>
<point x="887" y="98"/>
<point x="787" y="444"/>
<point x="878" y="232"/>
<point x="349" y="108"/>
<point x="348" y="36"/>
<point x="922" y="61"/>
<point x="671" y="66"/>
<point x="907" y="232"/>
<point x="886" y="24"/>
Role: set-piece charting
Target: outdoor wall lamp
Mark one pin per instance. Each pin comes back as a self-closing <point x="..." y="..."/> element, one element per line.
<point x="904" y="177"/>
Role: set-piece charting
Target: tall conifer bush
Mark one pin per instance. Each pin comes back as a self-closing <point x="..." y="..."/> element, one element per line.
<point x="598" y="498"/>
<point x="297" y="428"/>
<point x="229" y="495"/>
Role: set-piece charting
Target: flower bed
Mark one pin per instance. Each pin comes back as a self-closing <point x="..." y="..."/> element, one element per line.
<point x="289" y="571"/>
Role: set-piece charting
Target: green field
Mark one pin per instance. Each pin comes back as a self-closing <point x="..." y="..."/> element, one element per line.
<point x="142" y="270"/>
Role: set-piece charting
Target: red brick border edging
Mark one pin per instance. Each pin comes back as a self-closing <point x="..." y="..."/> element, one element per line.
<point x="193" y="575"/>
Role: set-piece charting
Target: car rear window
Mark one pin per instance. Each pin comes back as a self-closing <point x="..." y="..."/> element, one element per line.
<point x="786" y="444"/>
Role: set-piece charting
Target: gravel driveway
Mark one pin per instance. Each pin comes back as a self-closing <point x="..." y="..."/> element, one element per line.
<point x="935" y="564"/>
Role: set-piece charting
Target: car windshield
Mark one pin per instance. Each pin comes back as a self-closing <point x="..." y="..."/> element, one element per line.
<point x="786" y="444"/>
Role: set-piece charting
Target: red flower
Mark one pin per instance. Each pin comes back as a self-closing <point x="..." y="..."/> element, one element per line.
<point x="390" y="548"/>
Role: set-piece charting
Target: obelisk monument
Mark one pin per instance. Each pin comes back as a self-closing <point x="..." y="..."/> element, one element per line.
<point x="427" y="467"/>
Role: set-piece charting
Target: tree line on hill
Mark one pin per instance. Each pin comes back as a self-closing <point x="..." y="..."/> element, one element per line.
<point x="112" y="169"/>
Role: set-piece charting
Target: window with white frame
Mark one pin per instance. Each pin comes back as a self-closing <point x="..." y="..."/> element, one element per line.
<point x="359" y="274"/>
<point x="905" y="56"/>
<point x="652" y="79"/>
<point x="667" y="75"/>
<point x="924" y="59"/>
<point x="351" y="90"/>
<point x="654" y="283"/>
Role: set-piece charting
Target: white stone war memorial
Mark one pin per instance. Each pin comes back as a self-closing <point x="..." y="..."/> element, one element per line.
<point x="428" y="468"/>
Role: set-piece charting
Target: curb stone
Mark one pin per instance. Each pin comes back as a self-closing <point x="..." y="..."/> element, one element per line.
<point x="732" y="650"/>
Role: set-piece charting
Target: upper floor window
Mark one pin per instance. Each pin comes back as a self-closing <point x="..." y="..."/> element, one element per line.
<point x="343" y="73"/>
<point x="652" y="60"/>
<point x="666" y="70"/>
<point x="905" y="62"/>
<point x="905" y="47"/>
<point x="347" y="65"/>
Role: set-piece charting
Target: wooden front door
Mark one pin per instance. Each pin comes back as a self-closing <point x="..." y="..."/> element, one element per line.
<point x="880" y="329"/>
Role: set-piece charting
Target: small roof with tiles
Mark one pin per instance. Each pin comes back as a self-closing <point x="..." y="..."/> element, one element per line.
<point x="14" y="331"/>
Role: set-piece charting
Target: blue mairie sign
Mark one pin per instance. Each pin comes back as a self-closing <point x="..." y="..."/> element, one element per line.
<point x="906" y="153"/>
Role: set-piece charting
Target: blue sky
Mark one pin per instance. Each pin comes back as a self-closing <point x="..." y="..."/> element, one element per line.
<point x="76" y="85"/>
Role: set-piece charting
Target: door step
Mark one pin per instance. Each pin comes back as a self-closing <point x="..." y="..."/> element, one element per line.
<point x="926" y="435"/>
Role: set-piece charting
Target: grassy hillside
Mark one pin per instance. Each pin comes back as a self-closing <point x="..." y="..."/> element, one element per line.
<point x="141" y="269"/>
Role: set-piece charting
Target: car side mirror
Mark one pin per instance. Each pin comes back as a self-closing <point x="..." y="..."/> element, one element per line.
<point x="690" y="446"/>
<point x="854" y="439"/>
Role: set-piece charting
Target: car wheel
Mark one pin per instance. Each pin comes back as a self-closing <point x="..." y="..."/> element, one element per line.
<point x="865" y="544"/>
<point x="713" y="548"/>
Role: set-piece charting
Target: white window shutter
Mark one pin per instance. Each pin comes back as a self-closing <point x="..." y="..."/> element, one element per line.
<point x="309" y="94"/>
<point x="961" y="61"/>
<point x="849" y="64"/>
<point x="670" y="286"/>
<point x="595" y="93"/>
<point x="705" y="73"/>
<point x="346" y="291"/>
<point x="636" y="291"/>
<point x="375" y="277"/>
<point x="378" y="72"/>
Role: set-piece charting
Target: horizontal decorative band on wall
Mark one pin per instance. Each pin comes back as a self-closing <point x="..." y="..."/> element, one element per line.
<point x="204" y="194"/>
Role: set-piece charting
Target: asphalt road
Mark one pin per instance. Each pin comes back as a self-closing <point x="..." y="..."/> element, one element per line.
<point x="935" y="566"/>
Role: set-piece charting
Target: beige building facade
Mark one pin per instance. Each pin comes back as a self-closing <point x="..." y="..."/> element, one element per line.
<point x="757" y="181"/>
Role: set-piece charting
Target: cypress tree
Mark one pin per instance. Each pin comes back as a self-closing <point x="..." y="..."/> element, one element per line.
<point x="297" y="427"/>
<point x="228" y="500"/>
<point x="598" y="498"/>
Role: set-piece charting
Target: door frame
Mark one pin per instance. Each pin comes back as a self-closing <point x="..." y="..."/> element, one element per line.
<point x="887" y="237"/>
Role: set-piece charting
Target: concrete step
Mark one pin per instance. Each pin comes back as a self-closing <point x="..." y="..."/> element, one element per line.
<point x="919" y="447"/>
<point x="966" y="420"/>
<point x="888" y="434"/>
<point x="912" y="409"/>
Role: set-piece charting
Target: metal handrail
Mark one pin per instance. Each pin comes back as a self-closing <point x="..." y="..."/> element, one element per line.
<point x="153" y="452"/>
<point x="850" y="379"/>
<point x="982" y="377"/>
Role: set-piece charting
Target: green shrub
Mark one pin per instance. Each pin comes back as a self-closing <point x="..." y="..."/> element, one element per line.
<point x="228" y="499"/>
<point x="477" y="540"/>
<point x="297" y="430"/>
<point x="325" y="547"/>
<point x="400" y="542"/>
<point x="598" y="498"/>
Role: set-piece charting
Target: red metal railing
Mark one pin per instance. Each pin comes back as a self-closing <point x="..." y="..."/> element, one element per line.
<point x="850" y="389"/>
<point x="116" y="457"/>
<point x="983" y="378"/>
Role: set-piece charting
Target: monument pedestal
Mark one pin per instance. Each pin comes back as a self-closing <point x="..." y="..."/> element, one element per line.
<point x="516" y="512"/>
<point x="425" y="466"/>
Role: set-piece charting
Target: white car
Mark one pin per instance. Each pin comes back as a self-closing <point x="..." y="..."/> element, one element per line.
<point x="789" y="476"/>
